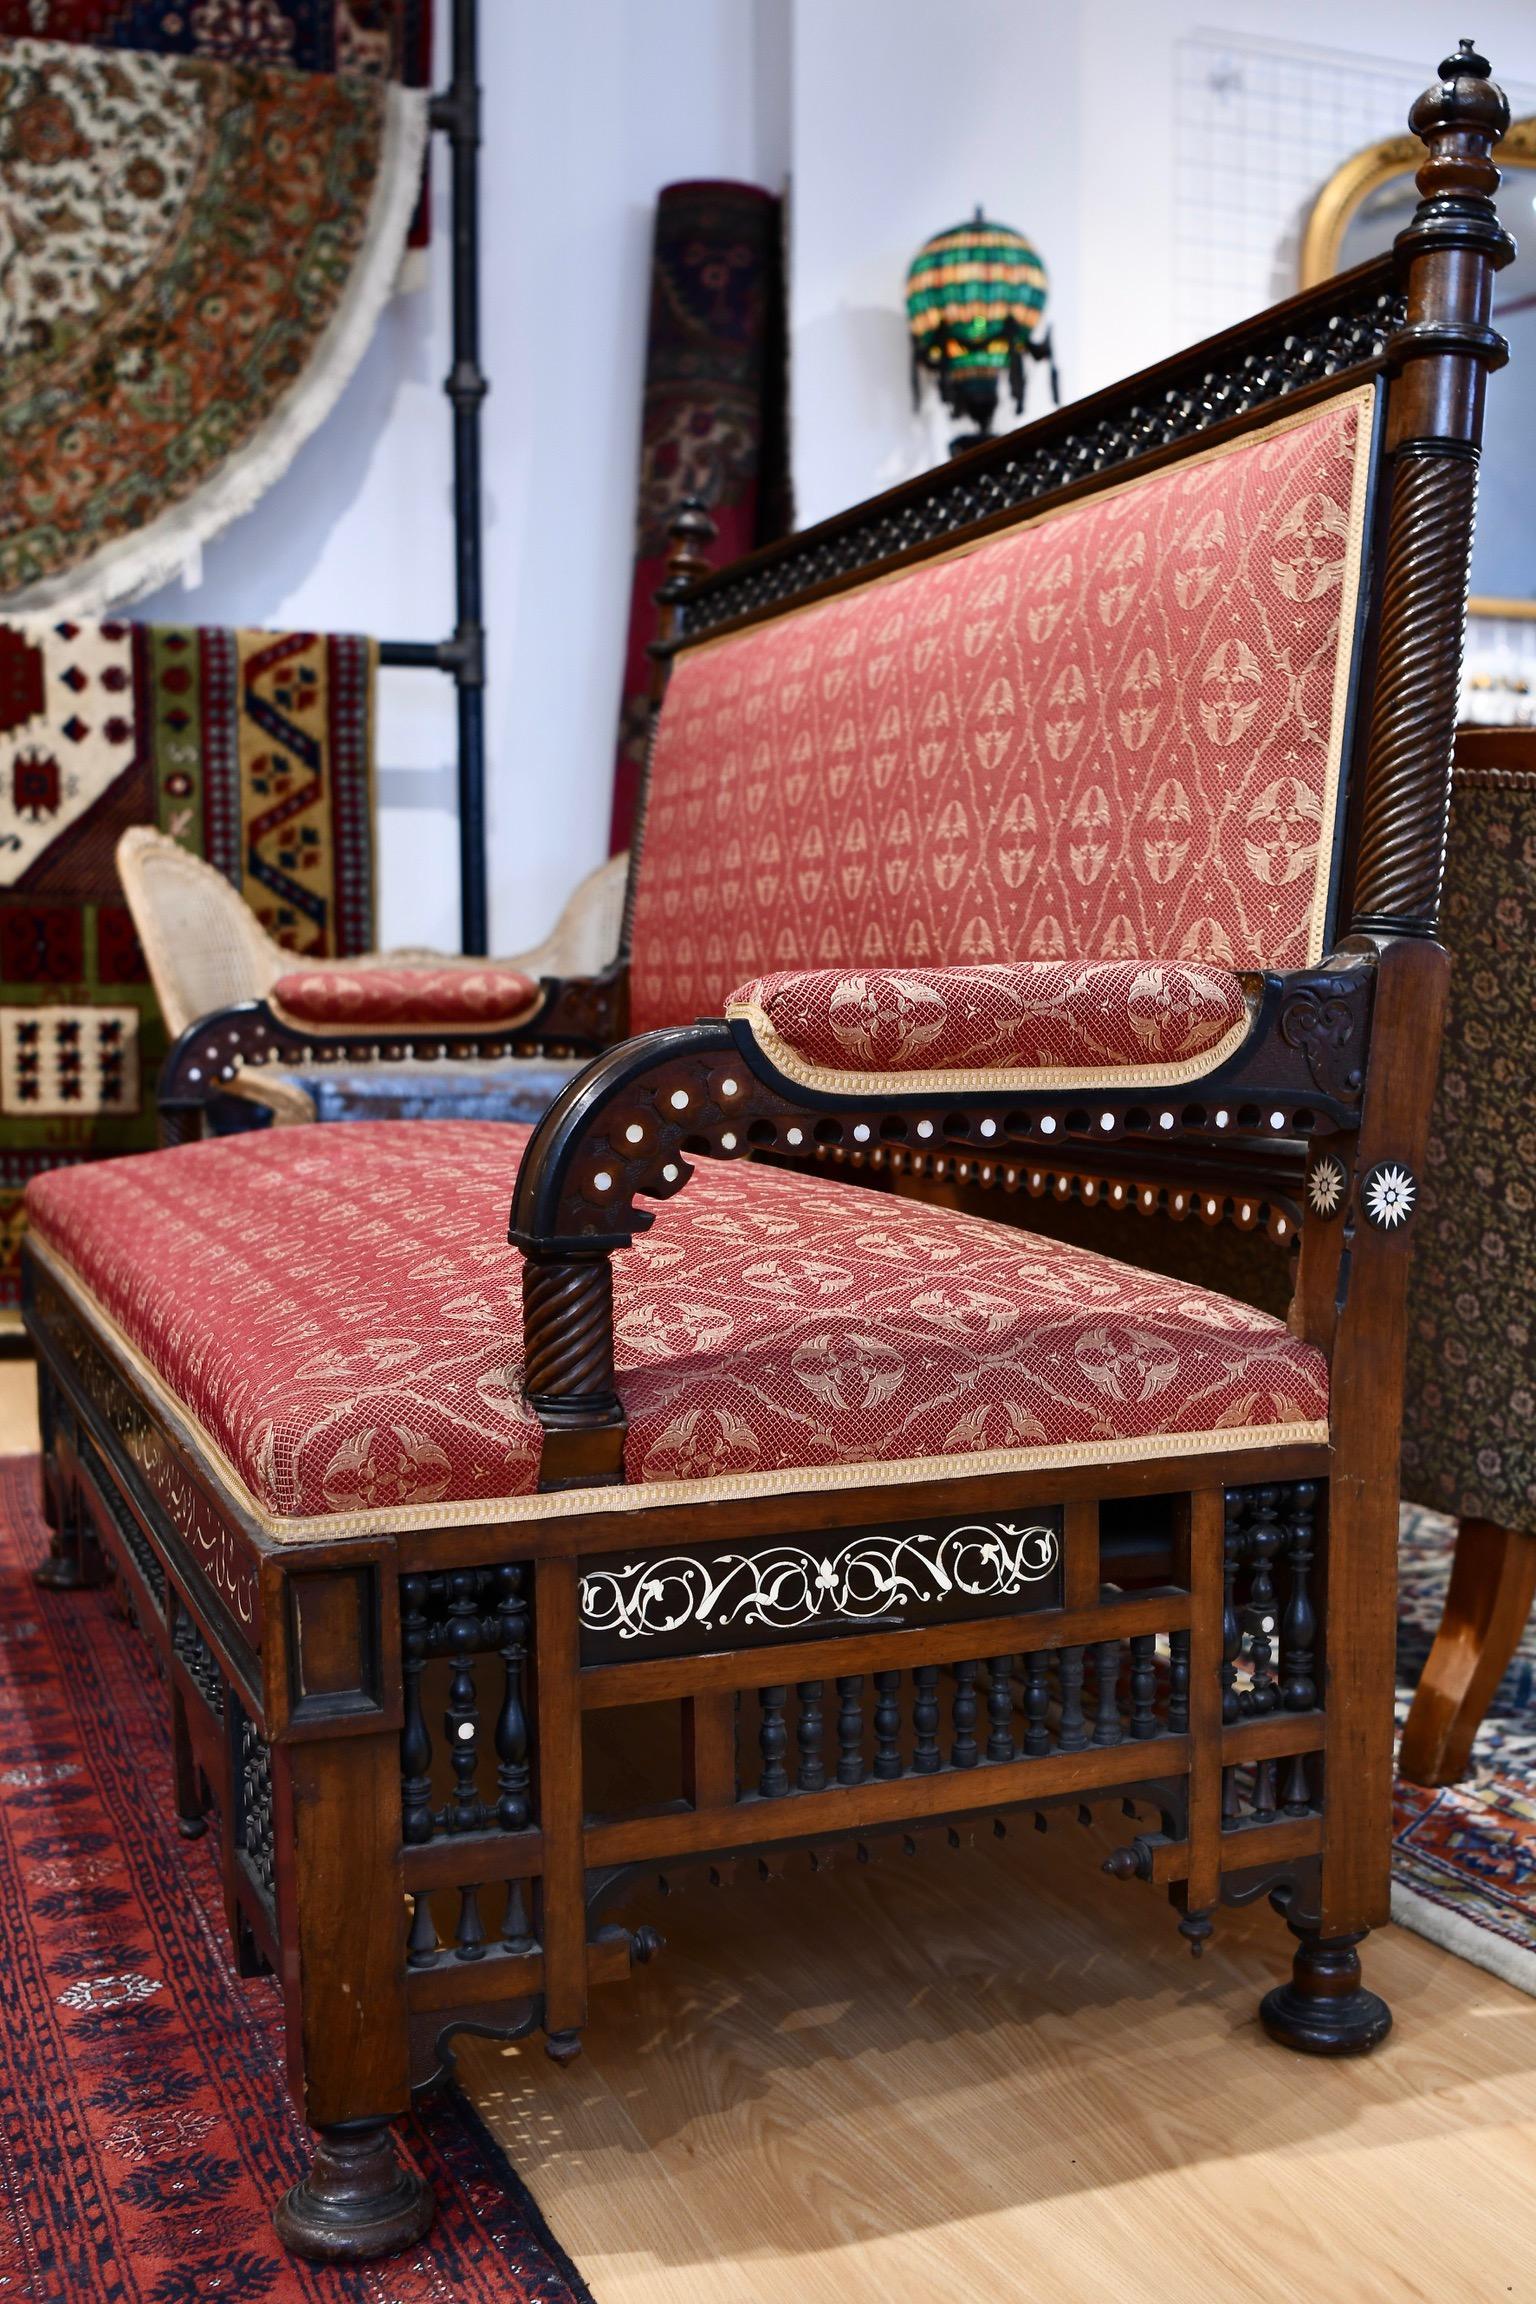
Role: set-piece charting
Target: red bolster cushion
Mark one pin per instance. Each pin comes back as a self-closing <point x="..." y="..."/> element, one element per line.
<point x="1043" y="1015"/>
<point x="359" y="999"/>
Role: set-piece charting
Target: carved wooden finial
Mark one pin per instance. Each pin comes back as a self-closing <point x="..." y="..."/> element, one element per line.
<point x="1460" y="119"/>
<point x="691" y="531"/>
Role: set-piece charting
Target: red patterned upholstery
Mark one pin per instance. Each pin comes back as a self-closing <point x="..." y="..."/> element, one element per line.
<point x="1046" y="1021"/>
<point x="1109" y="733"/>
<point x="339" y="1311"/>
<point x="358" y="999"/>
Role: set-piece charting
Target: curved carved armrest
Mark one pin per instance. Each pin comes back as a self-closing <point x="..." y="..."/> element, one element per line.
<point x="632" y="1123"/>
<point x="575" y="1016"/>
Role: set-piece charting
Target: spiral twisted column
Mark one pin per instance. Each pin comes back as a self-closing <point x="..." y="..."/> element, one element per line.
<point x="1413" y="716"/>
<point x="568" y="1330"/>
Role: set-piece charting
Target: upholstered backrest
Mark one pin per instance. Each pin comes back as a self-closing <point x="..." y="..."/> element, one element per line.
<point x="1112" y="730"/>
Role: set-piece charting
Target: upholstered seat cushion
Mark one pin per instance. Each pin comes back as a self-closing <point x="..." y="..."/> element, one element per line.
<point x="338" y="1310"/>
<point x="360" y="999"/>
<point x="1045" y="1022"/>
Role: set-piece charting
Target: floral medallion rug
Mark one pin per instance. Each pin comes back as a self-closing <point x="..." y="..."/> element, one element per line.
<point x="145" y="2129"/>
<point x="1464" y="1858"/>
<point x="194" y="258"/>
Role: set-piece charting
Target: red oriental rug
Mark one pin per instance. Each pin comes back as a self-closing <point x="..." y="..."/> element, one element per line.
<point x="145" y="2129"/>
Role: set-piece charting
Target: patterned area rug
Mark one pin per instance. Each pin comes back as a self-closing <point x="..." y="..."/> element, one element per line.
<point x="194" y="259"/>
<point x="1464" y="1862"/>
<point x="255" y="749"/>
<point x="147" y="2127"/>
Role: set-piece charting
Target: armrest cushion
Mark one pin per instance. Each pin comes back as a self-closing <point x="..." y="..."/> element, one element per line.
<point x="342" y="999"/>
<point x="1037" y="1024"/>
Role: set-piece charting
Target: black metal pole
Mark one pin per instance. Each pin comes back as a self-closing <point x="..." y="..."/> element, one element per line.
<point x="457" y="114"/>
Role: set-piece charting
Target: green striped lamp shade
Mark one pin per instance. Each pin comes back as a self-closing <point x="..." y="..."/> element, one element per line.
<point x="975" y="300"/>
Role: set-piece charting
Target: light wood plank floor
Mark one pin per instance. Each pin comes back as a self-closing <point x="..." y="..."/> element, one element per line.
<point x="997" y="2074"/>
<point x="994" y="2073"/>
<point x="18" y="1407"/>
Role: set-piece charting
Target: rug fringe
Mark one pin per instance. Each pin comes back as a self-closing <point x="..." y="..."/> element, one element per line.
<point x="1453" y="1932"/>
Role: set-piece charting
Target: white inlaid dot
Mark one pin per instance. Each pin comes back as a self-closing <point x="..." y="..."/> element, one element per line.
<point x="728" y="1141"/>
<point x="1221" y="1119"/>
<point x="1178" y="1199"/>
<point x="1047" y="1126"/>
<point x="669" y="1173"/>
<point x="795" y="1136"/>
<point x="1147" y="1199"/>
<point x="861" y="1133"/>
<point x="1247" y="1211"/>
<point x="1280" y="1224"/>
<point x="1106" y="1119"/>
<point x="1119" y="1191"/>
<point x="634" y="1133"/>
<point x="1277" y="1119"/>
<point x="1210" y="1207"/>
<point x="679" y="1099"/>
<point x="989" y="1127"/>
<point x="1165" y="1119"/>
<point x="466" y="1731"/>
<point x="925" y="1127"/>
<point x="729" y="1088"/>
<point x="602" y="1181"/>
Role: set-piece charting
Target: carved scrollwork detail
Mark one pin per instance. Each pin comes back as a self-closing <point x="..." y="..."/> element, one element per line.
<point x="789" y="1586"/>
<point x="1326" y="1023"/>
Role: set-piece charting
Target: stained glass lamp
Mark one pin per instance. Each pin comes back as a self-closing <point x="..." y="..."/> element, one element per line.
<point x="975" y="306"/>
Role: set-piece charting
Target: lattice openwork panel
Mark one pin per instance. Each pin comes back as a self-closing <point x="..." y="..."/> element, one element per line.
<point x="1269" y="1640"/>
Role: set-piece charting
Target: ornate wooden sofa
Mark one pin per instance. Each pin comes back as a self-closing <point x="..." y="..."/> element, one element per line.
<point x="1089" y="791"/>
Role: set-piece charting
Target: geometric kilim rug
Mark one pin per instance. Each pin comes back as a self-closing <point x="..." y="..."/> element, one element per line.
<point x="1464" y="1858"/>
<point x="255" y="750"/>
<point x="145" y="2129"/>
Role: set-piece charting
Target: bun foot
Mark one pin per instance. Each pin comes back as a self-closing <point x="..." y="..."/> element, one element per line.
<point x="1325" y="2010"/>
<point x="357" y="2201"/>
<point x="562" y="2047"/>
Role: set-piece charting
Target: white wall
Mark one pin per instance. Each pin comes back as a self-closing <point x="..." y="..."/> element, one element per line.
<point x="894" y="117"/>
<point x="1064" y="122"/>
<point x="588" y="111"/>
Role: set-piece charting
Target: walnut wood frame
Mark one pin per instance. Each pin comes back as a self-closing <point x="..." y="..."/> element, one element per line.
<point x="399" y="1907"/>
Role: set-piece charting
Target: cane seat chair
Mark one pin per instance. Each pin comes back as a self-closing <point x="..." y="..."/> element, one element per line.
<point x="1091" y="790"/>
<point x="365" y="1038"/>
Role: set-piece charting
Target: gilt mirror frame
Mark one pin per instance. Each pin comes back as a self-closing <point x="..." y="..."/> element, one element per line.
<point x="1334" y="210"/>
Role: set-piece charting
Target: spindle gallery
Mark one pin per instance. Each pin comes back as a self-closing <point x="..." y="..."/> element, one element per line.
<point x="733" y="1466"/>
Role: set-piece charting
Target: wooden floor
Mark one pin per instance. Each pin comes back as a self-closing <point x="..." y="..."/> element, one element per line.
<point x="18" y="1408"/>
<point x="994" y="2074"/>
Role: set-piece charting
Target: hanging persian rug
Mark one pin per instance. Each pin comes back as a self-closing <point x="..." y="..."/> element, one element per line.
<point x="255" y="750"/>
<point x="193" y="259"/>
<point x="374" y="39"/>
<point x="714" y="418"/>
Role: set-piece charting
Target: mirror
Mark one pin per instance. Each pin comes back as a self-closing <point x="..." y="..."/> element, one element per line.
<point x="1359" y="211"/>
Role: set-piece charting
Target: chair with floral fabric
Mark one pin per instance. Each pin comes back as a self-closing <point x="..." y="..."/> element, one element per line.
<point x="1092" y="789"/>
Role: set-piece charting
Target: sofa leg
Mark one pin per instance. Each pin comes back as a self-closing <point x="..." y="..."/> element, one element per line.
<point x="357" y="2201"/>
<point x="73" y="1561"/>
<point x="1325" y="2010"/>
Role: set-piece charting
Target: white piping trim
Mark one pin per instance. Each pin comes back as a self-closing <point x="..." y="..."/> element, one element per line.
<point x="958" y="1081"/>
<point x="639" y="1496"/>
<point x="129" y="566"/>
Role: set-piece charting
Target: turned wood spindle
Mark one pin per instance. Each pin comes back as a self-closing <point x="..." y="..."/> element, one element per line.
<point x="512" y="1721"/>
<point x="1231" y="1624"/>
<point x="1106" y="1717"/>
<point x="461" y="1720"/>
<point x="1265" y="1537"/>
<point x="1071" y="1726"/>
<point x="1296" y="1799"/>
<point x="964" y="1751"/>
<point x="811" y="1773"/>
<point x="1298" y="1630"/>
<point x="1143" y="1684"/>
<point x="850" y="1728"/>
<point x="422" y="1945"/>
<point x="516" y="1934"/>
<point x="1037" y="1703"/>
<point x="926" y="1757"/>
<point x="1178" y="1682"/>
<point x="773" y="1742"/>
<point x="469" y="1936"/>
<point x="1001" y="1744"/>
<point x="887" y="1725"/>
<point x="415" y="1737"/>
